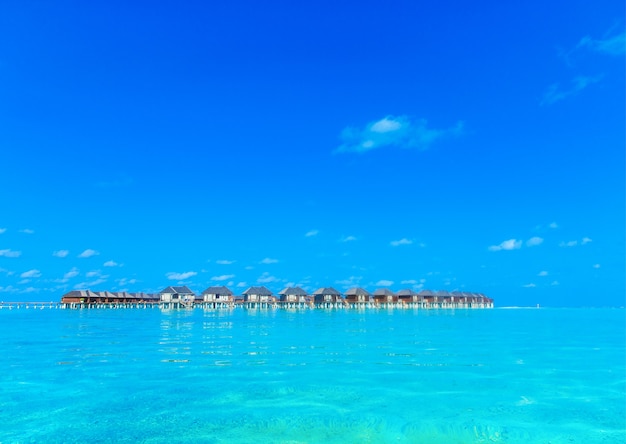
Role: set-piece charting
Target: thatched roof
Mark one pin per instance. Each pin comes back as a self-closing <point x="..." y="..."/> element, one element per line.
<point x="293" y="291"/>
<point x="177" y="290"/>
<point x="326" y="290"/>
<point x="406" y="292"/>
<point x="220" y="290"/>
<point x="259" y="291"/>
<point x="357" y="291"/>
<point x="442" y="293"/>
<point x="427" y="293"/>
<point x="383" y="292"/>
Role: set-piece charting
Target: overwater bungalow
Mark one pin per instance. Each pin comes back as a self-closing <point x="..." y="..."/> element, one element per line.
<point x="385" y="296"/>
<point x="217" y="295"/>
<point x="293" y="295"/>
<point x="177" y="295"/>
<point x="358" y="295"/>
<point x="408" y="296"/>
<point x="327" y="295"/>
<point x="257" y="294"/>
<point x="428" y="297"/>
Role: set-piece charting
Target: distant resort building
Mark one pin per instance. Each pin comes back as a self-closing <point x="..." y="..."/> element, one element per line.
<point x="290" y="297"/>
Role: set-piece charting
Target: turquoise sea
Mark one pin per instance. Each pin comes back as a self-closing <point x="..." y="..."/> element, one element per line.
<point x="311" y="376"/>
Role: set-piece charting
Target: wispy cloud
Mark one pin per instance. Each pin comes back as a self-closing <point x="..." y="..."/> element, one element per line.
<point x="111" y="264"/>
<point x="10" y="253"/>
<point x="534" y="241"/>
<point x="403" y="241"/>
<point x="180" y="276"/>
<point x="312" y="233"/>
<point x="511" y="244"/>
<point x="347" y="239"/>
<point x="60" y="253"/>
<point x="27" y="231"/>
<point x="71" y="274"/>
<point x="352" y="281"/>
<point x="614" y="45"/>
<point x="241" y="284"/>
<point x="2" y="230"/>
<point x="94" y="273"/>
<point x="384" y="283"/>
<point x="31" y="274"/>
<point x="88" y="253"/>
<point x="223" y="277"/>
<point x="224" y="262"/>
<point x="400" y="131"/>
<point x="86" y="285"/>
<point x="553" y="225"/>
<point x="266" y="278"/>
<point x="531" y="285"/>
<point x="269" y="260"/>
<point x="542" y="273"/>
<point x="554" y="283"/>
<point x="556" y="93"/>
<point x="574" y="243"/>
<point x="596" y="265"/>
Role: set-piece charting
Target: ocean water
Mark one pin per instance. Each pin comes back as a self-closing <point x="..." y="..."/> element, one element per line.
<point x="313" y="376"/>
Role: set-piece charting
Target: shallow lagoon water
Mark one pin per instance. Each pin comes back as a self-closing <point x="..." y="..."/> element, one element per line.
<point x="309" y="376"/>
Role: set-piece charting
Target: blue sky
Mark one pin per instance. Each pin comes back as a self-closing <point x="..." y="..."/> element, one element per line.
<point x="461" y="145"/>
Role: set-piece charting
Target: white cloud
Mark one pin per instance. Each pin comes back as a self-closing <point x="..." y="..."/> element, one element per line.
<point x="347" y="239"/>
<point x="555" y="283"/>
<point x="93" y="273"/>
<point x="268" y="260"/>
<point x="403" y="241"/>
<point x="401" y="131"/>
<point x="312" y="233"/>
<point x="2" y="230"/>
<point x="10" y="253"/>
<point x="555" y="93"/>
<point x="596" y="266"/>
<point x="224" y="262"/>
<point x="542" y="273"/>
<point x="31" y="274"/>
<point x="409" y="282"/>
<point x="553" y="225"/>
<point x="27" y="231"/>
<point x="60" y="253"/>
<point x="586" y="240"/>
<point x="180" y="276"/>
<point x="111" y="264"/>
<point x="223" y="277"/>
<point x="88" y="253"/>
<point x="614" y="45"/>
<point x="511" y="244"/>
<point x="266" y="278"/>
<point x="72" y="273"/>
<point x="534" y="241"/>
<point x="241" y="284"/>
<point x="384" y="283"/>
<point x="249" y="267"/>
<point x="529" y="286"/>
